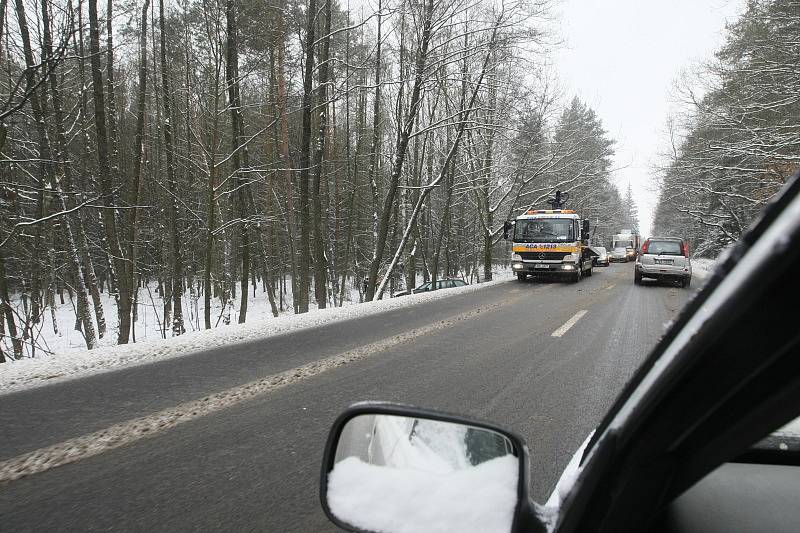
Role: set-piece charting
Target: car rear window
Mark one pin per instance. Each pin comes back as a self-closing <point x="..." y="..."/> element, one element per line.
<point x="664" y="248"/>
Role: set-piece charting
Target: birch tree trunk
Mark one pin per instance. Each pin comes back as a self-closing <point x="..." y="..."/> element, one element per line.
<point x="401" y="149"/>
<point x="450" y="154"/>
<point x="82" y="241"/>
<point x="76" y="268"/>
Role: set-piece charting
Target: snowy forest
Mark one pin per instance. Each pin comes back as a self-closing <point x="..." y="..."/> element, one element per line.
<point x="736" y="140"/>
<point x="199" y="159"/>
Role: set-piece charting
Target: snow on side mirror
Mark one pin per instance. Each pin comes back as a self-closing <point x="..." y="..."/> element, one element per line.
<point x="393" y="469"/>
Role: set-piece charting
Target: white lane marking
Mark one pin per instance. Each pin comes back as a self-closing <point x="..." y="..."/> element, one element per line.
<point x="112" y="437"/>
<point x="568" y="324"/>
<point x="611" y="286"/>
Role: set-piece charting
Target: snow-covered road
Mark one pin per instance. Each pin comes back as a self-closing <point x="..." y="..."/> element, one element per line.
<point x="230" y="437"/>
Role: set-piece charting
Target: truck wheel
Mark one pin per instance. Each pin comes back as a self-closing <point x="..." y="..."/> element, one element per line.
<point x="589" y="272"/>
<point x="521" y="276"/>
<point x="637" y="278"/>
<point x="576" y="277"/>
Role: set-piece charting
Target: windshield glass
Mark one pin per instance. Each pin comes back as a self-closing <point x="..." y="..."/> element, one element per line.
<point x="664" y="248"/>
<point x="544" y="230"/>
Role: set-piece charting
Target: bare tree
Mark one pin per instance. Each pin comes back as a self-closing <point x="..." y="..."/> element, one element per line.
<point x="175" y="284"/>
<point x="107" y="187"/>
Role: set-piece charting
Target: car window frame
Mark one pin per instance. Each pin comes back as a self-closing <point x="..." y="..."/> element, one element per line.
<point x="676" y="241"/>
<point x="722" y="268"/>
<point x="607" y="447"/>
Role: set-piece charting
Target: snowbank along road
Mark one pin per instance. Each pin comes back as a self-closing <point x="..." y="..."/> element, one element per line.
<point x="231" y="438"/>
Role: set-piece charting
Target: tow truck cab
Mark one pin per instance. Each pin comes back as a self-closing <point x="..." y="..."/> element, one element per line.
<point x="550" y="242"/>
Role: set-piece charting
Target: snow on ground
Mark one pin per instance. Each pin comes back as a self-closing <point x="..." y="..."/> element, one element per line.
<point x="702" y="268"/>
<point x="62" y="337"/>
<point x="70" y="359"/>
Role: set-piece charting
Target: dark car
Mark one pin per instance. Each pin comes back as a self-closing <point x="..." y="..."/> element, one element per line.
<point x="447" y="283"/>
<point x="701" y="438"/>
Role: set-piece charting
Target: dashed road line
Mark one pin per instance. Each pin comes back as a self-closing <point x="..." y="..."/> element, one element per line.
<point x="568" y="324"/>
<point x="130" y="431"/>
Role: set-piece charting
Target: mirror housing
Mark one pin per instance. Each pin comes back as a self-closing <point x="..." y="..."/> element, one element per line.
<point x="524" y="516"/>
<point x="586" y="230"/>
<point x="507" y="226"/>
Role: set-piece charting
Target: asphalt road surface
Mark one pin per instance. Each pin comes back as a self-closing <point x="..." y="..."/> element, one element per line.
<point x="254" y="466"/>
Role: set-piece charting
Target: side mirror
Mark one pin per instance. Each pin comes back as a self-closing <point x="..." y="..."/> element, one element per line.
<point x="394" y="468"/>
<point x="507" y="226"/>
<point x="586" y="230"/>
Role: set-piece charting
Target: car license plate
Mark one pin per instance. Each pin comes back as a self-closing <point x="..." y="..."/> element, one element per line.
<point x="542" y="266"/>
<point x="664" y="261"/>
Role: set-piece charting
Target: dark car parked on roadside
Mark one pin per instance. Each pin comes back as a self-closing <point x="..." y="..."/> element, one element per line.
<point x="448" y="283"/>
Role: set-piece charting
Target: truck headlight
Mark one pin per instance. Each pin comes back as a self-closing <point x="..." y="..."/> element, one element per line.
<point x="571" y="258"/>
<point x="516" y="257"/>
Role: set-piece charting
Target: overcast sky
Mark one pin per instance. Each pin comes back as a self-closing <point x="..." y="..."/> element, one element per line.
<point x="622" y="57"/>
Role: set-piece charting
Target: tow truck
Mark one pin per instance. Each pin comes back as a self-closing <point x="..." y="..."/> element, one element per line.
<point x="551" y="242"/>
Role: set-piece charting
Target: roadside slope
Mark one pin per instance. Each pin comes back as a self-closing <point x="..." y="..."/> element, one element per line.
<point x="29" y="373"/>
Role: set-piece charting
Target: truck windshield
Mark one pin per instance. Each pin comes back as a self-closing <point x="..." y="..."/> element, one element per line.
<point x="623" y="244"/>
<point x="544" y="230"/>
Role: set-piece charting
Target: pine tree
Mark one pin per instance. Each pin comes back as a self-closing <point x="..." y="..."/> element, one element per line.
<point x="631" y="211"/>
